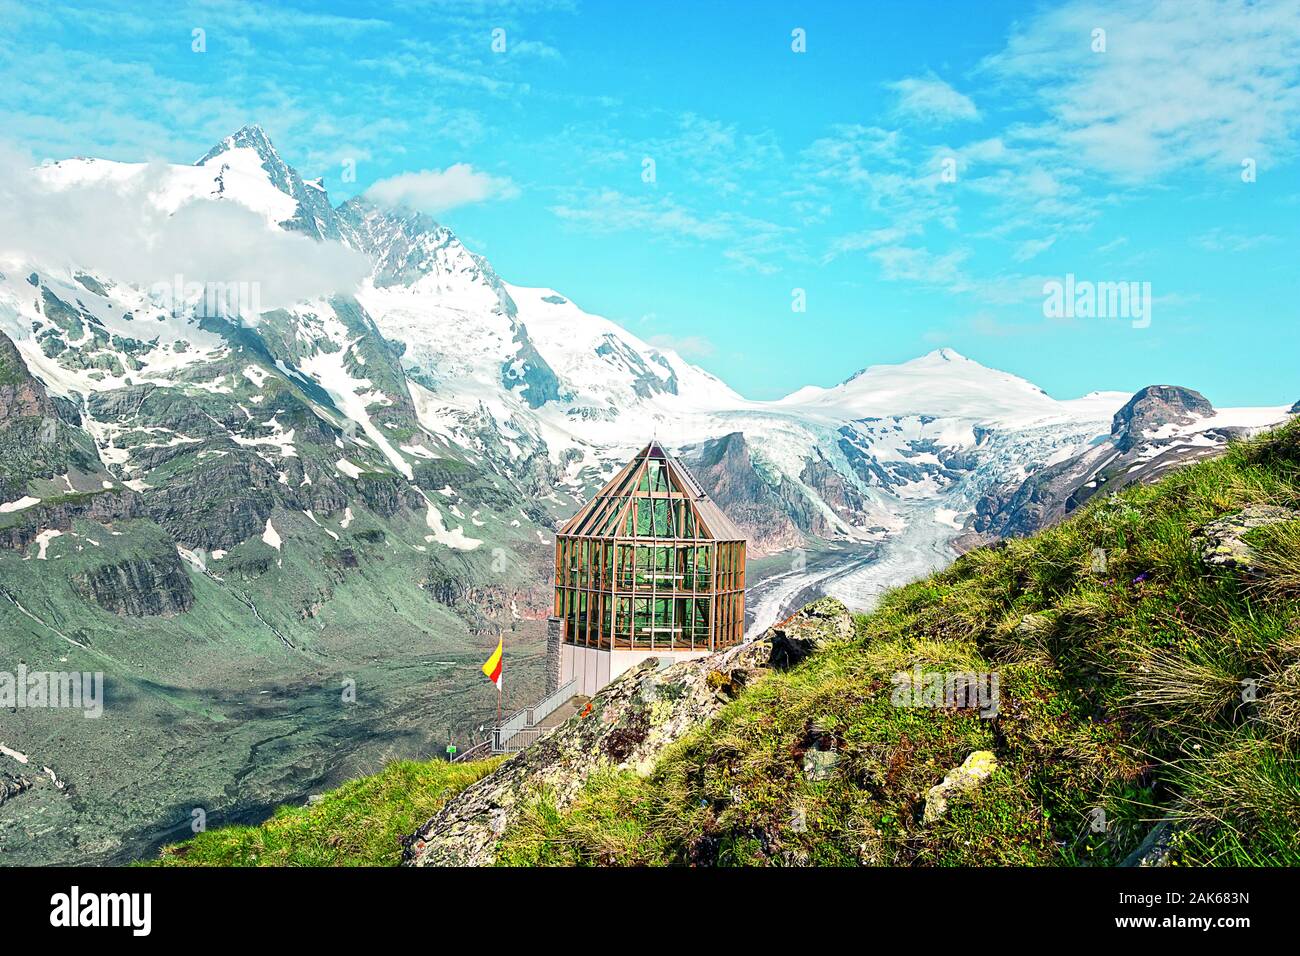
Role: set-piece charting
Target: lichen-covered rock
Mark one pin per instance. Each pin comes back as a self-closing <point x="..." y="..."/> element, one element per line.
<point x="1155" y="849"/>
<point x="11" y="785"/>
<point x="629" y="724"/>
<point x="819" y="764"/>
<point x="794" y="640"/>
<point x="974" y="770"/>
<point x="1223" y="543"/>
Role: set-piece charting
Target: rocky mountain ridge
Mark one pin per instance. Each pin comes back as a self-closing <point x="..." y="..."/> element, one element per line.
<point x="1160" y="427"/>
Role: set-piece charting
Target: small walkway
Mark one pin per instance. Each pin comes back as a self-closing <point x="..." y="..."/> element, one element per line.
<point x="564" y="712"/>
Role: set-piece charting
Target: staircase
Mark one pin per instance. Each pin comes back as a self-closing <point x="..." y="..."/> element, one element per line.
<point x="529" y="724"/>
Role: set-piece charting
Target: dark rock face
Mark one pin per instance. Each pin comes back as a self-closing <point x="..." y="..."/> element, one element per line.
<point x="529" y="372"/>
<point x="101" y="507"/>
<point x="139" y="587"/>
<point x="21" y="395"/>
<point x="1154" y="406"/>
<point x="646" y="381"/>
<point x="774" y="516"/>
<point x="1013" y="510"/>
<point x="1295" y="409"/>
<point x="842" y="497"/>
<point x="38" y="434"/>
<point x="485" y="608"/>
<point x="221" y="505"/>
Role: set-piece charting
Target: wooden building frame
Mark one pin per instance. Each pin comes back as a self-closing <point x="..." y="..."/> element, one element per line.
<point x="651" y="564"/>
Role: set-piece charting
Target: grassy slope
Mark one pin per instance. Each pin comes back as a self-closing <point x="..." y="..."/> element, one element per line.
<point x="359" y="824"/>
<point x="1120" y="691"/>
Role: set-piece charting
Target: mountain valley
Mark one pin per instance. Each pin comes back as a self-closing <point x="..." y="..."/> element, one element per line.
<point x="289" y="536"/>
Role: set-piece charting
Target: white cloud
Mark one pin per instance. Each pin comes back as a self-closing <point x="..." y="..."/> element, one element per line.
<point x="916" y="264"/>
<point x="608" y="211"/>
<point x="1033" y="247"/>
<point x="749" y="243"/>
<point x="867" y="239"/>
<point x="118" y="230"/>
<point x="1222" y="240"/>
<point x="437" y="190"/>
<point x="535" y="48"/>
<point x="1181" y="82"/>
<point x="933" y="100"/>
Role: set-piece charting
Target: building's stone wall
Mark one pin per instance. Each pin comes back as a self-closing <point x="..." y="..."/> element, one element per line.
<point x="554" y="629"/>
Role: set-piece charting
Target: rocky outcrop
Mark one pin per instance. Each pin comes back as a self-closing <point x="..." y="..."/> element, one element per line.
<point x="1154" y="431"/>
<point x="101" y="507"/>
<point x="1153" y="408"/>
<point x="314" y="217"/>
<point x="840" y="496"/>
<point x="21" y="395"/>
<point x="140" y="586"/>
<point x="485" y="608"/>
<point x="1223" y="543"/>
<point x="628" y="725"/>
<point x="527" y="371"/>
<point x="37" y="437"/>
<point x="11" y="785"/>
<point x="1155" y="849"/>
<point x="773" y="512"/>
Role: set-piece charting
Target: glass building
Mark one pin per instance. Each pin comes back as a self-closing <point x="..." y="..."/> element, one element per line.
<point x="650" y="567"/>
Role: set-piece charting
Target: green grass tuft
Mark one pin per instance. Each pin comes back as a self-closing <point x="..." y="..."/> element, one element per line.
<point x="359" y="824"/>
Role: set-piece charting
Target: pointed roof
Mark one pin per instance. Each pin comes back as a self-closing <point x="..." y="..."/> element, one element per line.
<point x="652" y="473"/>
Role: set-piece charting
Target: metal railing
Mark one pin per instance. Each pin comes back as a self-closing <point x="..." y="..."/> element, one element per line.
<point x="481" y="749"/>
<point x="520" y="729"/>
<point x="551" y="702"/>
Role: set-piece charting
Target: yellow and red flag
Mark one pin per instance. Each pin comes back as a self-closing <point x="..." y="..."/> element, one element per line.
<point x="492" y="669"/>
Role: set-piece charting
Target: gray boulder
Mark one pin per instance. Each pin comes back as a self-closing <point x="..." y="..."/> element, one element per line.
<point x="1223" y="541"/>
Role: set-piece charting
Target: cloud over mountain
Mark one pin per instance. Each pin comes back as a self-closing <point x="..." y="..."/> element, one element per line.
<point x="135" y="229"/>
<point x="435" y="191"/>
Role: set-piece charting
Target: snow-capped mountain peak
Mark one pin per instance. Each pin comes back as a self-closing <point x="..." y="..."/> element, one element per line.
<point x="247" y="137"/>
<point x="250" y="154"/>
<point x="941" y="383"/>
<point x="434" y="347"/>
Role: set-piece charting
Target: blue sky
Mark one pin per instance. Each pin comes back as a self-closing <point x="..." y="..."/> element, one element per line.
<point x="774" y="170"/>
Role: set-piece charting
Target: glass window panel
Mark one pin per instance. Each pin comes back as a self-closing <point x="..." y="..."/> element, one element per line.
<point x="661" y="525"/>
